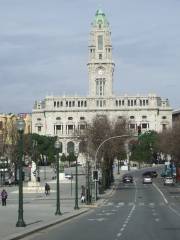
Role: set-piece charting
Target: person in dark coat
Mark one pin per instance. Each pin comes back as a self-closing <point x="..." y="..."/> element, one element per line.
<point x="47" y="189"/>
<point x="4" y="196"/>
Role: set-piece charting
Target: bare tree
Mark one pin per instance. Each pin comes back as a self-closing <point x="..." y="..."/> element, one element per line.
<point x="99" y="130"/>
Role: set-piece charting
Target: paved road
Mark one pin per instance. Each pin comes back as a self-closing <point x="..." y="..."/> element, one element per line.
<point x="135" y="211"/>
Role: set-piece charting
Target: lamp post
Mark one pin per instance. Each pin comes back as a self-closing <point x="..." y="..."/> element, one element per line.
<point x="76" y="207"/>
<point x="57" y="146"/>
<point x="118" y="167"/>
<point x="20" y="127"/>
<point x="106" y="140"/>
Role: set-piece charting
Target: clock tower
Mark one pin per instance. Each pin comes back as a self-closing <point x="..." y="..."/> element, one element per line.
<point x="100" y="65"/>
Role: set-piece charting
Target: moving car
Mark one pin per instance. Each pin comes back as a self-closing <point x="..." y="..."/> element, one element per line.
<point x="168" y="181"/>
<point x="127" y="178"/>
<point x="147" y="179"/>
<point x="153" y="174"/>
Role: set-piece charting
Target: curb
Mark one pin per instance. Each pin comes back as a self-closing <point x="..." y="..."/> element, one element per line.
<point x="27" y="232"/>
<point x="64" y="218"/>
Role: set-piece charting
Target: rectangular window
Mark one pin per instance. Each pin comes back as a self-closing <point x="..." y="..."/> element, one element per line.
<point x="70" y="127"/>
<point x="82" y="127"/>
<point x="164" y="127"/>
<point x="39" y="129"/>
<point x="100" y="42"/>
<point x="132" y="126"/>
<point x="144" y="125"/>
<point x="58" y="127"/>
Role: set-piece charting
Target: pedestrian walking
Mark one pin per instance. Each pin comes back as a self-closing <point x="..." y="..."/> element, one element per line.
<point x="4" y="196"/>
<point x="47" y="189"/>
<point x="82" y="194"/>
<point x="82" y="198"/>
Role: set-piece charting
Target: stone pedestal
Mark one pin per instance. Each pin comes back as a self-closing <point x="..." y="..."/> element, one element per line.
<point x="62" y="176"/>
<point x="33" y="184"/>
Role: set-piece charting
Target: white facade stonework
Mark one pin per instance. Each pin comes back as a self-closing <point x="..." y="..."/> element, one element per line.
<point x="63" y="115"/>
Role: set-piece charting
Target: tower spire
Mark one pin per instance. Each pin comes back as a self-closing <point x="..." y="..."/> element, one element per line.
<point x="100" y="65"/>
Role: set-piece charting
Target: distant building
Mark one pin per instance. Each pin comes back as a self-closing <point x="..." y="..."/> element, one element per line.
<point x="63" y="115"/>
<point x="7" y="122"/>
<point x="28" y="122"/>
<point x="8" y="128"/>
<point x="176" y="115"/>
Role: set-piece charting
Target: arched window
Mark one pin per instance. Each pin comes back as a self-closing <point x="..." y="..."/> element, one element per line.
<point x="58" y="118"/>
<point x="70" y="118"/>
<point x="132" y="117"/>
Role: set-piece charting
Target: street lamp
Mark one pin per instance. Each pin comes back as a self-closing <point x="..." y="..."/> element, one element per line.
<point x="20" y="124"/>
<point x="76" y="207"/>
<point x="57" y="146"/>
<point x="106" y="140"/>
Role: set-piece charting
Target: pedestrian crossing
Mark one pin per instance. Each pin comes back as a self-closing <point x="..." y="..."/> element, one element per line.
<point x="140" y="204"/>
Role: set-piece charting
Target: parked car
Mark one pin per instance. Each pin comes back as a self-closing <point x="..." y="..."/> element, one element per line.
<point x="68" y="176"/>
<point x="153" y="173"/>
<point x="169" y="181"/>
<point x="127" y="178"/>
<point x="147" y="179"/>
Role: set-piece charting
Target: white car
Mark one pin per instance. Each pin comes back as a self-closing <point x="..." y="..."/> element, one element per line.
<point x="68" y="176"/>
<point x="147" y="179"/>
<point x="168" y="181"/>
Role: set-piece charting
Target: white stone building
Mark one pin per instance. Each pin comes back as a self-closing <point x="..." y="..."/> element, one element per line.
<point x="63" y="115"/>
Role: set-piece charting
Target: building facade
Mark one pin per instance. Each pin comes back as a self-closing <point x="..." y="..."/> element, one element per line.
<point x="8" y="128"/>
<point x="176" y="115"/>
<point x="63" y="115"/>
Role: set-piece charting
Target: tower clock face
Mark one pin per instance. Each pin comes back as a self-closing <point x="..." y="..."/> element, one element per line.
<point x="100" y="71"/>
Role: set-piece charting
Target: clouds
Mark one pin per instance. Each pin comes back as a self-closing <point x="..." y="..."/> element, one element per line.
<point x="44" y="48"/>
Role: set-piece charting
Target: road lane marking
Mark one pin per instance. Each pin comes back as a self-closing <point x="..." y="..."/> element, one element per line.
<point x="157" y="219"/>
<point x="151" y="204"/>
<point x="162" y="194"/>
<point x="126" y="221"/>
<point x="154" y="214"/>
<point x="119" y="234"/>
<point x="173" y="210"/>
<point x="131" y="204"/>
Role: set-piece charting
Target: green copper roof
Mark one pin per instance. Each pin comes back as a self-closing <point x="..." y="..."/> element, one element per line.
<point x="100" y="18"/>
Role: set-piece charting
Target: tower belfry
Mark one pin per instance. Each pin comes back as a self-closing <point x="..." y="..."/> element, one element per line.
<point x="100" y="64"/>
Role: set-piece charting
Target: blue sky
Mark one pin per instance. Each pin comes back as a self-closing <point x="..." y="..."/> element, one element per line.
<point x="44" y="48"/>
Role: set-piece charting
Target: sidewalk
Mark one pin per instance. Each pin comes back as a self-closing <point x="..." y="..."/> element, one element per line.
<point x="39" y="212"/>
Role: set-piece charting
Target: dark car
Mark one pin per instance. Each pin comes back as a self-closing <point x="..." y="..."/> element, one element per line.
<point x="153" y="174"/>
<point x="127" y="178"/>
